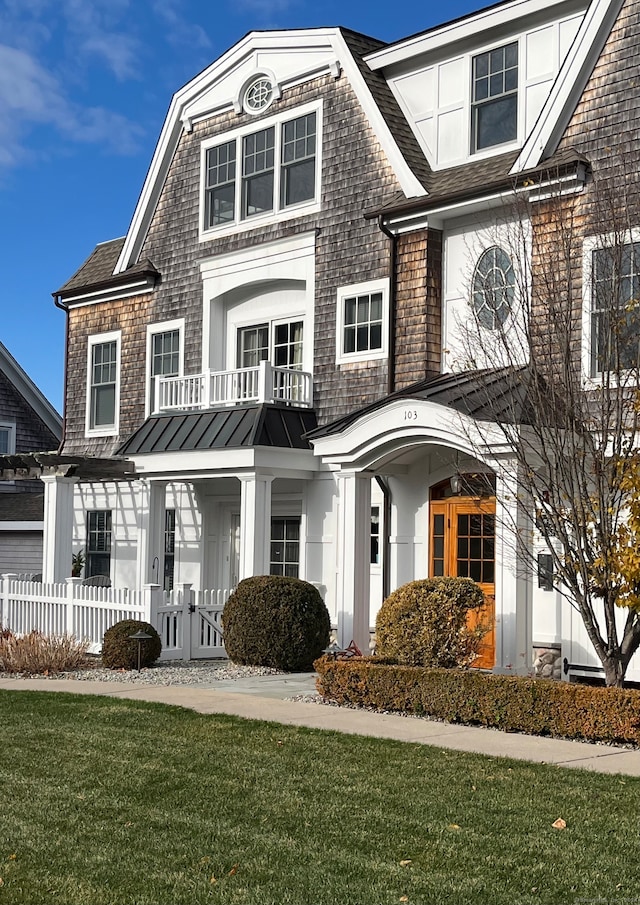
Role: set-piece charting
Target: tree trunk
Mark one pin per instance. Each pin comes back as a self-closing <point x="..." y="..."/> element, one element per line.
<point x="614" y="671"/>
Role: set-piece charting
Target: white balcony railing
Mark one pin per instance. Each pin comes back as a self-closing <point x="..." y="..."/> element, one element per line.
<point x="214" y="388"/>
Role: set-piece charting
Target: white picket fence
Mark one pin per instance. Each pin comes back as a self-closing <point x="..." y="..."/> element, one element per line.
<point x="188" y="621"/>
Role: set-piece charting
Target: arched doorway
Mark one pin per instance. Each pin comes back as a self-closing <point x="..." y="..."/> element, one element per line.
<point x="462" y="545"/>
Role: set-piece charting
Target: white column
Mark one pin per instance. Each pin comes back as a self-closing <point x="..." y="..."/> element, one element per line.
<point x="513" y="582"/>
<point x="151" y="515"/>
<point x="255" y="524"/>
<point x="354" y="554"/>
<point x="58" y="528"/>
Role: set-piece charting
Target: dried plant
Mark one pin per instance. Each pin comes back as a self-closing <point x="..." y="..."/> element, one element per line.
<point x="37" y="654"/>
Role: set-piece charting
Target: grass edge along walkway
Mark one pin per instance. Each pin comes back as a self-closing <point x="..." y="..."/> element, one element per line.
<point x="111" y="801"/>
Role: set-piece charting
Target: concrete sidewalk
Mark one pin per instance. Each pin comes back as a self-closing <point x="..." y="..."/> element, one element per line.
<point x="264" y="698"/>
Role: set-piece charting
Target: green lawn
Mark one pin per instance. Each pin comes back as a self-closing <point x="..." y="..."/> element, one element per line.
<point x="109" y="801"/>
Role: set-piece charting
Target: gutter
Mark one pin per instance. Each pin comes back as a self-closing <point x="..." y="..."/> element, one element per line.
<point x="58" y="304"/>
<point x="391" y="367"/>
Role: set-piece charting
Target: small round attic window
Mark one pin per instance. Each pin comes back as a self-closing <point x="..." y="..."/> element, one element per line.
<point x="258" y="95"/>
<point x="494" y="287"/>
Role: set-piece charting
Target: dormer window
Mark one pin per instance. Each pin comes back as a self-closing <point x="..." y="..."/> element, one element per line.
<point x="494" y="108"/>
<point x="271" y="171"/>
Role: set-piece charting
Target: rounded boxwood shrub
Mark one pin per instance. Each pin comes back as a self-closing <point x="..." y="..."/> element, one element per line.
<point x="272" y="620"/>
<point x="118" y="652"/>
<point x="424" y="623"/>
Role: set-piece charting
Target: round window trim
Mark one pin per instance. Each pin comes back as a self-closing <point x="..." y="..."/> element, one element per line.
<point x="494" y="288"/>
<point x="258" y="95"/>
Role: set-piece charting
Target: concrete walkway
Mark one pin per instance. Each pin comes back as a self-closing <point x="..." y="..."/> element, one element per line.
<point x="264" y="698"/>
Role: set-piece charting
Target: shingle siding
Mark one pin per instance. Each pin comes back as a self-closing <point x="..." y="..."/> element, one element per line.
<point x="349" y="249"/>
<point x="32" y="435"/>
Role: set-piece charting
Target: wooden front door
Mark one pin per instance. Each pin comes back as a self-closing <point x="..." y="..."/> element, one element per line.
<point x="462" y="545"/>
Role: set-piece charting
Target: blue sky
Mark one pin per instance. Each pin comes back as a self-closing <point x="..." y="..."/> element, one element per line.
<point x="84" y="88"/>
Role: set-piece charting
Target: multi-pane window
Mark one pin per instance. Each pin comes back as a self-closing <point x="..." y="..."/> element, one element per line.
<point x="165" y="358"/>
<point x="298" y="178"/>
<point x="287" y="345"/>
<point x="494" y="108"/>
<point x="98" y="543"/>
<point x="104" y="372"/>
<point x="258" y="172"/>
<point x="253" y="345"/>
<point x="362" y="324"/>
<point x="268" y="170"/>
<point x="7" y="439"/>
<point x="220" y="184"/>
<point x="494" y="286"/>
<point x="615" y="312"/>
<point x="285" y="547"/>
<point x="169" y="547"/>
<point x="375" y="536"/>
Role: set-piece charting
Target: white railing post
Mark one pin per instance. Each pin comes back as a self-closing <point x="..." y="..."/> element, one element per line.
<point x="186" y="596"/>
<point x="151" y="601"/>
<point x="206" y="396"/>
<point x="72" y="584"/>
<point x="5" y="591"/>
<point x="265" y="377"/>
<point x="156" y="394"/>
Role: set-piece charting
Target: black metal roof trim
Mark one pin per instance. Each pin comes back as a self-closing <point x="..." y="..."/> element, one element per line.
<point x="472" y="393"/>
<point x="239" y="427"/>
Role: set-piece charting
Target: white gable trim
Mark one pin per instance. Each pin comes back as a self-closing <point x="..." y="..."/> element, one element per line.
<point x="23" y="384"/>
<point x="465" y="29"/>
<point x="570" y="84"/>
<point x="177" y="120"/>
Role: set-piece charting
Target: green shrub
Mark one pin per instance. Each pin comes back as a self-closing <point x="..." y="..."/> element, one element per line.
<point x="35" y="653"/>
<point x="119" y="652"/>
<point x="510" y="703"/>
<point x="424" y="623"/>
<point x="272" y="620"/>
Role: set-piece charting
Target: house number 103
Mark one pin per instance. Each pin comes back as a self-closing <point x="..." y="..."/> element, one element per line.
<point x="410" y="415"/>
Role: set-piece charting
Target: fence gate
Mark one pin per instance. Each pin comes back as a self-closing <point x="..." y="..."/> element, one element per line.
<point x="190" y="623"/>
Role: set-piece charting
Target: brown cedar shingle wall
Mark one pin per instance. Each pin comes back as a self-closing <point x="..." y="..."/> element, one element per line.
<point x="349" y="249"/>
<point x="418" y="334"/>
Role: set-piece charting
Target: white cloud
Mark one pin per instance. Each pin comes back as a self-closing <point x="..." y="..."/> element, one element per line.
<point x="179" y="29"/>
<point x="31" y="96"/>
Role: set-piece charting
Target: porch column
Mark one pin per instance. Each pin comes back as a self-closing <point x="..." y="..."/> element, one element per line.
<point x="57" y="547"/>
<point x="354" y="548"/>
<point x="151" y="515"/>
<point x="255" y="524"/>
<point x="513" y="583"/>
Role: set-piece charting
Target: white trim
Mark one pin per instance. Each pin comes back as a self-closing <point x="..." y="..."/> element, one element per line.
<point x="152" y="330"/>
<point x="368" y="288"/>
<point x="174" y="127"/>
<point x="468" y="28"/>
<point x="278" y="214"/>
<point x="110" y="294"/>
<point x="35" y="526"/>
<point x="10" y="427"/>
<point x="569" y="84"/>
<point x="23" y="384"/>
<point x="111" y="430"/>
<point x="589" y="245"/>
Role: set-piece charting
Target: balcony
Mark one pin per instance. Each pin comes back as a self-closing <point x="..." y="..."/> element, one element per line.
<point x="240" y="386"/>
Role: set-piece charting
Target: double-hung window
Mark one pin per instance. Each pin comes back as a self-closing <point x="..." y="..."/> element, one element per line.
<point x="494" y="97"/>
<point x="7" y="438"/>
<point x="362" y="321"/>
<point x="98" y="543"/>
<point x="615" y="309"/>
<point x="272" y="170"/>
<point x="103" y="383"/>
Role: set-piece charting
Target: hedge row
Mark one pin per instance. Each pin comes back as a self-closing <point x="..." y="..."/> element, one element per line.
<point x="510" y="703"/>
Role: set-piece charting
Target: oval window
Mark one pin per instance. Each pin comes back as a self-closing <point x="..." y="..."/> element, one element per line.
<point x="494" y="287"/>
